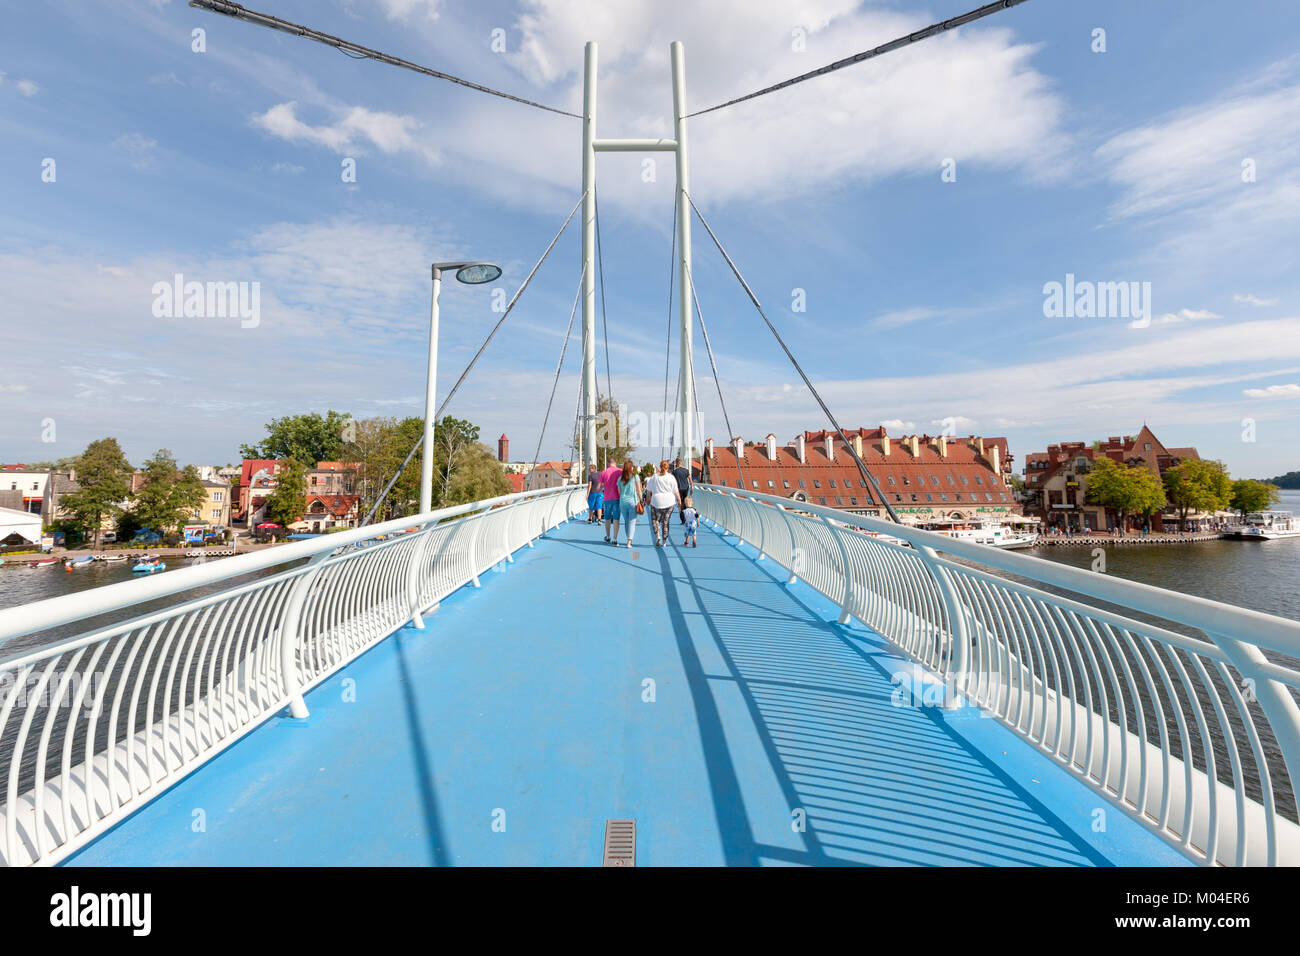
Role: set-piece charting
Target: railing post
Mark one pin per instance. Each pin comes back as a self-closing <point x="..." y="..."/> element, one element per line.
<point x="848" y="575"/>
<point x="794" y="550"/>
<point x="1273" y="697"/>
<point x="959" y="641"/>
<point x="289" y="636"/>
<point x="420" y="550"/>
<point x="479" y="516"/>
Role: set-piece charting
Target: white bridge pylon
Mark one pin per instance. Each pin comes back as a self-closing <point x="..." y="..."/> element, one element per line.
<point x="590" y="147"/>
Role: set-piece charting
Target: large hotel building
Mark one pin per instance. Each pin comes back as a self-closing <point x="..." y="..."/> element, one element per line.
<point x="925" y="478"/>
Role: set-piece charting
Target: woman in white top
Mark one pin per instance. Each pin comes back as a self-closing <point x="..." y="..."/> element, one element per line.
<point x="664" y="496"/>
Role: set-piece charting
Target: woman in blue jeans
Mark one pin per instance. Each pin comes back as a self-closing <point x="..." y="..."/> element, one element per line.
<point x="629" y="496"/>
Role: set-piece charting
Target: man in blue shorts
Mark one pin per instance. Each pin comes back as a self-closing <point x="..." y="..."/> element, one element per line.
<point x="595" y="495"/>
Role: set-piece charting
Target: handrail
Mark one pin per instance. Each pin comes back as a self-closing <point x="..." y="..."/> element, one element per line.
<point x="1196" y="737"/>
<point x="96" y="724"/>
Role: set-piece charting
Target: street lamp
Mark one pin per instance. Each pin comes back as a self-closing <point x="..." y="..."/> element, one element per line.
<point x="471" y="273"/>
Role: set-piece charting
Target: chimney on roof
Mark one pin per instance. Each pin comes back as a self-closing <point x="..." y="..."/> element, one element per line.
<point x="503" y="448"/>
<point x="884" y="443"/>
<point x="995" y="459"/>
<point x="738" y="446"/>
<point x="771" y="447"/>
<point x="857" y="443"/>
<point x="941" y="443"/>
<point x="979" y="444"/>
<point x="915" y="445"/>
<point x="799" y="445"/>
<point x="708" y="448"/>
<point x="830" y="446"/>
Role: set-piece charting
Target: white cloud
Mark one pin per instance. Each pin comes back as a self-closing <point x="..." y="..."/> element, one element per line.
<point x="389" y="132"/>
<point x="897" y="425"/>
<point x="971" y="95"/>
<point x="1249" y="299"/>
<point x="402" y="9"/>
<point x="1186" y="315"/>
<point x="1274" y="391"/>
<point x="27" y="88"/>
<point x="289" y="168"/>
<point x="139" y="149"/>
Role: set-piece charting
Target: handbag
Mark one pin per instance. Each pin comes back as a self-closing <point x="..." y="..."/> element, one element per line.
<point x="640" y="505"/>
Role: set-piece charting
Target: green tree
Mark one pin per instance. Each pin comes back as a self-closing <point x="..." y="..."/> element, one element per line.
<point x="103" y="483"/>
<point x="1248" y="495"/>
<point x="168" y="496"/>
<point x="476" y="475"/>
<point x="287" y="503"/>
<point x="1126" y="489"/>
<point x="1197" y="485"/>
<point x="613" y="444"/>
<point x="305" y="438"/>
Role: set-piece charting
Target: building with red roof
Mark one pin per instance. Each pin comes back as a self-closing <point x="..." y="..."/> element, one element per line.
<point x="923" y="477"/>
<point x="1056" y="481"/>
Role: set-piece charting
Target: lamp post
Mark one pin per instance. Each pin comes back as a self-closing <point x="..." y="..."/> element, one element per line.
<point x="471" y="273"/>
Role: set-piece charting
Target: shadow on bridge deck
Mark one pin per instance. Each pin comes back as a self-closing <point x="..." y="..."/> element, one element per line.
<point x="688" y="689"/>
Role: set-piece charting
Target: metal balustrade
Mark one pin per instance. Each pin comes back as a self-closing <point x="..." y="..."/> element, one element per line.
<point x="94" y="725"/>
<point x="1180" y="711"/>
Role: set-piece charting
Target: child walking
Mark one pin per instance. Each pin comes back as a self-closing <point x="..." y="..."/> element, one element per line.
<point x="692" y="522"/>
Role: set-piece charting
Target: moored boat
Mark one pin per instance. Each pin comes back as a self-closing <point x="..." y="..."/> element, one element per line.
<point x="43" y="563"/>
<point x="1266" y="525"/>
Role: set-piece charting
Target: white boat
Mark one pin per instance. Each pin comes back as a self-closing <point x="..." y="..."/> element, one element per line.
<point x="1266" y="525"/>
<point x="990" y="533"/>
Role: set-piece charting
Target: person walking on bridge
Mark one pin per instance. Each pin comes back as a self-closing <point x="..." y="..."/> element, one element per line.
<point x="609" y="499"/>
<point x="595" y="494"/>
<point x="662" y="487"/>
<point x="629" y="500"/>
<point x="683" y="476"/>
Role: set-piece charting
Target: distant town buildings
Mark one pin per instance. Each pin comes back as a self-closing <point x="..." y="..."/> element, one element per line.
<point x="1056" y="481"/>
<point x="923" y="477"/>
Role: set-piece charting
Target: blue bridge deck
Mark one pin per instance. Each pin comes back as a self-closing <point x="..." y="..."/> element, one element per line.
<point x="690" y="690"/>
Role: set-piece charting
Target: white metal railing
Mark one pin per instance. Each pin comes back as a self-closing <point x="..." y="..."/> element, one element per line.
<point x="1196" y="735"/>
<point x="94" y="725"/>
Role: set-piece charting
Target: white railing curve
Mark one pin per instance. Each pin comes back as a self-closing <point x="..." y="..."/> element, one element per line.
<point x="1179" y="710"/>
<point x="94" y="725"/>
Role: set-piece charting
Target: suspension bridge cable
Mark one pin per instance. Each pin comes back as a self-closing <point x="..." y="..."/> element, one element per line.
<point x="560" y="365"/>
<point x="862" y="466"/>
<point x="716" y="381"/>
<point x="482" y="348"/>
<point x="668" y="342"/>
<point x="604" y="318"/>
<point x="355" y="50"/>
<point x="932" y="30"/>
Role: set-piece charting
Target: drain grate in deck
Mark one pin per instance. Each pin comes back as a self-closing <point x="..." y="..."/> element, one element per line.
<point x="620" y="843"/>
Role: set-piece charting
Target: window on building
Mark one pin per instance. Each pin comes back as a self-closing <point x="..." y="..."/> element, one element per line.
<point x="785" y="483"/>
<point x="898" y="497"/>
<point x="832" y="482"/>
<point x="929" y="497"/>
<point x="823" y="501"/>
<point x="935" y="479"/>
<point x="964" y="480"/>
<point x="978" y="481"/>
<point x="802" y="484"/>
<point x="906" y="481"/>
<point x="914" y="497"/>
<point x="1147" y="446"/>
<point x="959" y="496"/>
<point x="754" y="482"/>
<point x="987" y="496"/>
<point x="839" y="500"/>
<point x="218" y="496"/>
<point x="216" y="514"/>
<point x="891" y="479"/>
<point x="1004" y="496"/>
<point x="863" y="482"/>
<point x="950" y="481"/>
<point x="771" y="483"/>
<point x="853" y="501"/>
<point x="943" y="495"/>
<point x="817" y="483"/>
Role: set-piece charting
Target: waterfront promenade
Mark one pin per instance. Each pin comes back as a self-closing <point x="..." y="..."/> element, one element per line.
<point x="726" y="712"/>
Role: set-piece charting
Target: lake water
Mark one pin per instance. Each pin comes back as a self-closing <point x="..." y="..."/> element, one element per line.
<point x="1260" y="575"/>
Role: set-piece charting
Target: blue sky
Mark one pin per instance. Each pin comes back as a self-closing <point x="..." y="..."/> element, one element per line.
<point x="924" y="298"/>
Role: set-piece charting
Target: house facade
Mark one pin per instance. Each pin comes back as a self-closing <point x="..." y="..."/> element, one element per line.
<point x="1056" y="480"/>
<point x="923" y="478"/>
